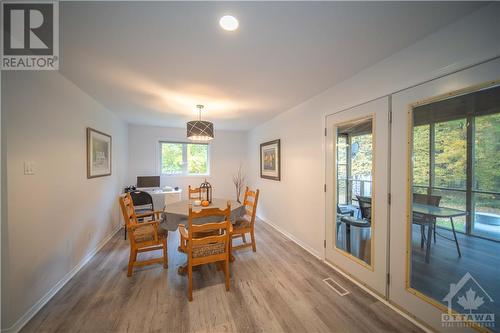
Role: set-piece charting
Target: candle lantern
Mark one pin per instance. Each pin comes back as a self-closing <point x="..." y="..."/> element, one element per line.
<point x="206" y="191"/>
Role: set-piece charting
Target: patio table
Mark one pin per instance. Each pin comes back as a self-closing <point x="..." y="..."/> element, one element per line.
<point x="443" y="212"/>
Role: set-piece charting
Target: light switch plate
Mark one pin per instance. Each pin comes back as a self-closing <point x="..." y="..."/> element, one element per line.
<point x="29" y="167"/>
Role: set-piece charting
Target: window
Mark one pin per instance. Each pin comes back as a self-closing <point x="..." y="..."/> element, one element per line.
<point x="184" y="159"/>
<point x="456" y="156"/>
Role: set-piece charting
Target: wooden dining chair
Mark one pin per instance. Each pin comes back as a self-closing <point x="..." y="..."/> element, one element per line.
<point x="143" y="203"/>
<point x="246" y="223"/>
<point x="194" y="193"/>
<point x="208" y="242"/>
<point x="144" y="237"/>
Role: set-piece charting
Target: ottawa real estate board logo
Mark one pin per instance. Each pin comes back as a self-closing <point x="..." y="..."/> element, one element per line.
<point x="30" y="35"/>
<point x="468" y="305"/>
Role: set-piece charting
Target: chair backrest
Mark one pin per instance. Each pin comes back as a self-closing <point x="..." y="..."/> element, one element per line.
<point x="250" y="202"/>
<point x="425" y="199"/>
<point x="128" y="211"/>
<point x="141" y="198"/>
<point x="213" y="233"/>
<point x="194" y="193"/>
<point x="365" y="205"/>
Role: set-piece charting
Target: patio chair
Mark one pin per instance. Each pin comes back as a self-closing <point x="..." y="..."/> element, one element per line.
<point x="424" y="220"/>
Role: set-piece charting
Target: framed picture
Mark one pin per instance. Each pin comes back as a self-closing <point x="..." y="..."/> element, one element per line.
<point x="98" y="153"/>
<point x="270" y="160"/>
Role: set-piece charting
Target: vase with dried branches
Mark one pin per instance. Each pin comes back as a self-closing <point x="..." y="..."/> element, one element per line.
<point x="239" y="181"/>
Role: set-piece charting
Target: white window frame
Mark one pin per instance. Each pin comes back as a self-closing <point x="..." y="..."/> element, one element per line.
<point x="185" y="172"/>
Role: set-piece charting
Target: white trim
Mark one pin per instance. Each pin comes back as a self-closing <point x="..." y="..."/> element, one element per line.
<point x="366" y="289"/>
<point x="292" y="238"/>
<point x="24" y="319"/>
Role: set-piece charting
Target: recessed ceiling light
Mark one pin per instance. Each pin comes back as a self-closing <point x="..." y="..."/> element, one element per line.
<point x="229" y="23"/>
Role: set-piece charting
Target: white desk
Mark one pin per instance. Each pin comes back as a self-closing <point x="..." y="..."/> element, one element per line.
<point x="164" y="198"/>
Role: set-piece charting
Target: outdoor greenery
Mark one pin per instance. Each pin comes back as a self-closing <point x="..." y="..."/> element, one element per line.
<point x="487" y="153"/>
<point x="197" y="158"/>
<point x="421" y="155"/>
<point x="450" y="154"/>
<point x="450" y="163"/>
<point x="176" y="156"/>
<point x="171" y="158"/>
<point x="361" y="163"/>
<point x="342" y="170"/>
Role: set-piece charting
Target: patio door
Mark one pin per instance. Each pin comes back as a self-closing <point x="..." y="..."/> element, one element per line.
<point x="357" y="157"/>
<point x="445" y="209"/>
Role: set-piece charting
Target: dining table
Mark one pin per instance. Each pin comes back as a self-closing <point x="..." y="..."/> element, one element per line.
<point x="177" y="213"/>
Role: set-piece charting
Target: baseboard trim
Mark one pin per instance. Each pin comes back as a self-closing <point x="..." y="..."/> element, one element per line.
<point x="402" y="313"/>
<point x="24" y="319"/>
<point x="293" y="238"/>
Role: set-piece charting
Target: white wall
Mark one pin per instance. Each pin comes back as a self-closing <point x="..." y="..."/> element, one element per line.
<point x="296" y="204"/>
<point x="57" y="217"/>
<point x="227" y="152"/>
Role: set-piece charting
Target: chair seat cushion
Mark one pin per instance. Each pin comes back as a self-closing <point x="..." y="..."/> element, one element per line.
<point x="146" y="233"/>
<point x="242" y="222"/>
<point x="208" y="250"/>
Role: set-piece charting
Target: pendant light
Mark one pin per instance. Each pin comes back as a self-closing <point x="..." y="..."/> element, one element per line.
<point x="200" y="130"/>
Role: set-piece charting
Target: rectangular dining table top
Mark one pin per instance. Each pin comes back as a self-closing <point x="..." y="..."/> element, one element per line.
<point x="437" y="211"/>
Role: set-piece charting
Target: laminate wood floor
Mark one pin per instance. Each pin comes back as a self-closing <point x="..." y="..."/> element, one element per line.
<point x="480" y="257"/>
<point x="277" y="289"/>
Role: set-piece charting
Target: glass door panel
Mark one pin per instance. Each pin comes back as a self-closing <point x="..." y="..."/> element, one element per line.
<point x="354" y="167"/>
<point x="446" y="201"/>
<point x="356" y="232"/>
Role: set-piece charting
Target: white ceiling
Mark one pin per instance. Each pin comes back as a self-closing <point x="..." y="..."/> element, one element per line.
<point x="151" y="63"/>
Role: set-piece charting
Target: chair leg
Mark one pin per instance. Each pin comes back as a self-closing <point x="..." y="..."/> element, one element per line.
<point x="165" y="253"/>
<point x="125" y="228"/>
<point x="131" y="260"/>
<point x="252" y="235"/>
<point x="455" y="236"/>
<point x="226" y="271"/>
<point x="428" y="241"/>
<point x="434" y="227"/>
<point x="422" y="236"/>
<point x="348" y="238"/>
<point x="231" y="258"/>
<point x="190" y="282"/>
<point x="243" y="238"/>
